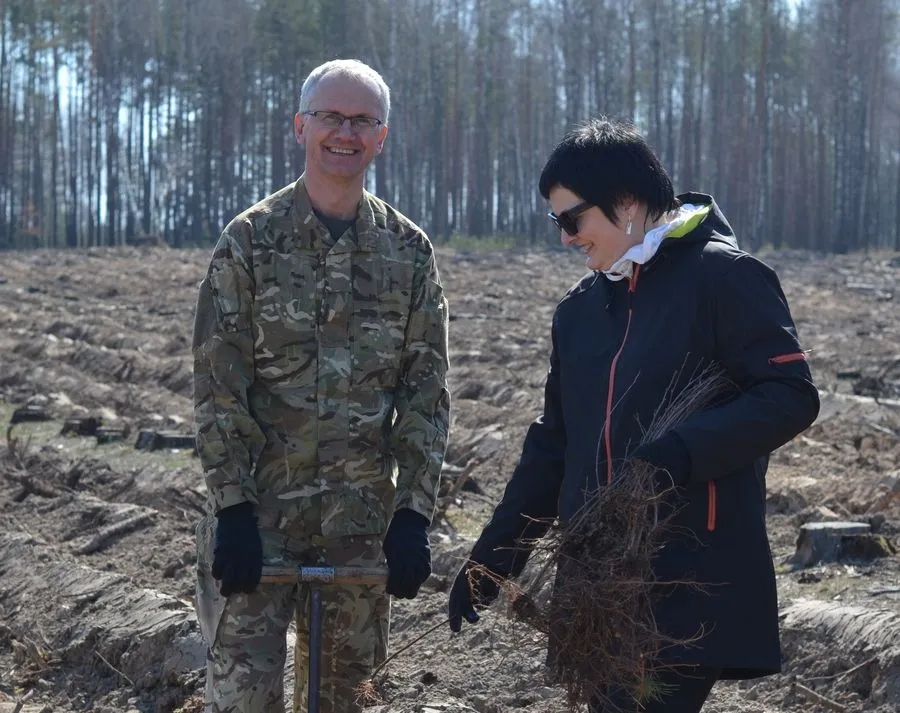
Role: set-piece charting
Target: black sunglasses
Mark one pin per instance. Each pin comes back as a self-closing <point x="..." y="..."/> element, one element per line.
<point x="568" y="219"/>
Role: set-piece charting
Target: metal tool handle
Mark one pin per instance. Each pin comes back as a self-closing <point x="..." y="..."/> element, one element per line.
<point x="324" y="575"/>
<point x="314" y="676"/>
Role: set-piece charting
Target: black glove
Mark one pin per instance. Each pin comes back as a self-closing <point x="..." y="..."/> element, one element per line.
<point x="464" y="598"/>
<point x="408" y="553"/>
<point x="670" y="456"/>
<point x="237" y="555"/>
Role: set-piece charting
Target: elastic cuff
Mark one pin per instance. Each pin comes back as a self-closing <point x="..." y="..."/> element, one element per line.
<point x="680" y="457"/>
<point x="229" y="495"/>
<point x="241" y="510"/>
<point x="407" y="517"/>
<point x="423" y="507"/>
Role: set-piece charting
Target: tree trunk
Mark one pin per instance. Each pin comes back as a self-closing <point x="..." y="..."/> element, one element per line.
<point x="762" y="224"/>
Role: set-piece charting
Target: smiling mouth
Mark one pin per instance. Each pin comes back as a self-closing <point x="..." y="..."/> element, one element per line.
<point x="340" y="152"/>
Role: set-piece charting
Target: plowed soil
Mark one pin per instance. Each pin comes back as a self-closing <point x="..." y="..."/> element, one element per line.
<point x="96" y="538"/>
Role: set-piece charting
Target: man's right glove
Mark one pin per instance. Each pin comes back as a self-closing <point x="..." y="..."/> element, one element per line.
<point x="465" y="598"/>
<point x="237" y="554"/>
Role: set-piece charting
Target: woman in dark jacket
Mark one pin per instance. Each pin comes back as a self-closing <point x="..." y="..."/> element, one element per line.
<point x="669" y="293"/>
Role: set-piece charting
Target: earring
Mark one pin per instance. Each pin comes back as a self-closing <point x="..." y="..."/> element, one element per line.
<point x="628" y="228"/>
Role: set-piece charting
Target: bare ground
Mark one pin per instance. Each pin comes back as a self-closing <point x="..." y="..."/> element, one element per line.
<point x="96" y="540"/>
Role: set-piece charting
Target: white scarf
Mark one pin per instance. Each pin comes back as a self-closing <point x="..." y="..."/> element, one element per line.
<point x="642" y="252"/>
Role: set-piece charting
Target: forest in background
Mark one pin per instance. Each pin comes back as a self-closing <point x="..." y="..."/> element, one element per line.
<point x="128" y="119"/>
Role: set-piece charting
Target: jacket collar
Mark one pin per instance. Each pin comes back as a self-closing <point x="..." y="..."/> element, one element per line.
<point x="312" y="234"/>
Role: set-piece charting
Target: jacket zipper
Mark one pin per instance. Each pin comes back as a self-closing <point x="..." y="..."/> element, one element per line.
<point x="607" y="426"/>
<point x="711" y="506"/>
<point x="788" y="358"/>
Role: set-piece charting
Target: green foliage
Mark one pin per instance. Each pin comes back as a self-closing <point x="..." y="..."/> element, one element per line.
<point x="484" y="243"/>
<point x="287" y="35"/>
<point x="653" y="690"/>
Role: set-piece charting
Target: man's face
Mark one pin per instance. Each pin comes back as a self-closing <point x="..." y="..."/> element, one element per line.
<point x="341" y="153"/>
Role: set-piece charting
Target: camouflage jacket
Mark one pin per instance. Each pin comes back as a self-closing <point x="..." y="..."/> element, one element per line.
<point x="320" y="366"/>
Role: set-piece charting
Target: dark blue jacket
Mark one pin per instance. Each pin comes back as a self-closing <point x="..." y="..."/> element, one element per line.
<point x="699" y="301"/>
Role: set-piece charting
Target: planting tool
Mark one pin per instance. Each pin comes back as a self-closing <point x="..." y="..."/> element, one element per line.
<point x="317" y="577"/>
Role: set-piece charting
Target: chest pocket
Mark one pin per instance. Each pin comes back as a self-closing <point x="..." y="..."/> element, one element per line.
<point x="381" y="300"/>
<point x="287" y="298"/>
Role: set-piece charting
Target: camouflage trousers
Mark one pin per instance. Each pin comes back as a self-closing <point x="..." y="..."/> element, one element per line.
<point x="246" y="634"/>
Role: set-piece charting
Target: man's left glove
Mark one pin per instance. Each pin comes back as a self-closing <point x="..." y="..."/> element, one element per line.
<point x="670" y="456"/>
<point x="237" y="555"/>
<point x="408" y="553"/>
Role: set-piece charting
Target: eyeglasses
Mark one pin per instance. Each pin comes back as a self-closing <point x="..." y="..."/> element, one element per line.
<point x="333" y="120"/>
<point x="568" y="219"/>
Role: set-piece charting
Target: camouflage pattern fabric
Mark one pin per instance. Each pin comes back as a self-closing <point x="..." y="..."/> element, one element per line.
<point x="320" y="389"/>
<point x="320" y="366"/>
<point x="246" y="633"/>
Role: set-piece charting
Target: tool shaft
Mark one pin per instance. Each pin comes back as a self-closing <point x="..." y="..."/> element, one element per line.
<point x="315" y="647"/>
<point x="324" y="575"/>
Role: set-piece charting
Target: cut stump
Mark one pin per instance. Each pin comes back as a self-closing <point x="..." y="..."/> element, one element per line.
<point x="156" y="440"/>
<point x="828" y="541"/>
<point x="84" y="426"/>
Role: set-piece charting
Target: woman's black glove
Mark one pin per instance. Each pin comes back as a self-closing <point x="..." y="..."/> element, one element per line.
<point x="237" y="554"/>
<point x="473" y="587"/>
<point x="670" y="456"/>
<point x="408" y="553"/>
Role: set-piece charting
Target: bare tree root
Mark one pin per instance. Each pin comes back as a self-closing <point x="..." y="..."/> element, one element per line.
<point x="601" y="635"/>
<point x="109" y="534"/>
<point x="367" y="694"/>
<point x="367" y="691"/>
<point x="814" y="697"/>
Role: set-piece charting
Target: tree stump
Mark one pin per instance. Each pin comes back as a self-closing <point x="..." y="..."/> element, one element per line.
<point x="826" y="541"/>
<point x="106" y="435"/>
<point x="157" y="440"/>
<point x="83" y="426"/>
<point x="29" y="414"/>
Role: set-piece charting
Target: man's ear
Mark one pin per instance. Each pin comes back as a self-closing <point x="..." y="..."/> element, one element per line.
<point x="382" y="135"/>
<point x="299" y="122"/>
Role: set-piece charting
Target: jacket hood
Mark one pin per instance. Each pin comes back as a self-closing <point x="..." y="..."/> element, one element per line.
<point x="714" y="227"/>
<point x="697" y="219"/>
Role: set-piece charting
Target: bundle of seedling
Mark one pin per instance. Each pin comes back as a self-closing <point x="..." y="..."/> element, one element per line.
<point x="598" y="621"/>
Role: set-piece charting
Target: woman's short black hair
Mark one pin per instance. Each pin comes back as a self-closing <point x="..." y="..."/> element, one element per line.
<point x="607" y="162"/>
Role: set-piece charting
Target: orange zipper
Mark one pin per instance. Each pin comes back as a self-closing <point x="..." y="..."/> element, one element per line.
<point x="607" y="427"/>
<point x="711" y="505"/>
<point x="788" y="358"/>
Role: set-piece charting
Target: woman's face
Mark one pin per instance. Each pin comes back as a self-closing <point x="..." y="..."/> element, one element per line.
<point x="602" y="241"/>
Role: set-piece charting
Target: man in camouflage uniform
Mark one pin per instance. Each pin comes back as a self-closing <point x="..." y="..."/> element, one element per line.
<point x="322" y="409"/>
